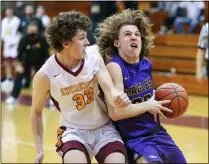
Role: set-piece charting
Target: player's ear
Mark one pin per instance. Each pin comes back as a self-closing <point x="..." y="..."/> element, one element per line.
<point x="66" y="44"/>
<point x="116" y="43"/>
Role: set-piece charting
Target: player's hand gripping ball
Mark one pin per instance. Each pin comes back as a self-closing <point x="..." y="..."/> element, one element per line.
<point x="178" y="96"/>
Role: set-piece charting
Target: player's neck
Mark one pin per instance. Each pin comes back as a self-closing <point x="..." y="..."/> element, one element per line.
<point x="130" y="60"/>
<point x="66" y="60"/>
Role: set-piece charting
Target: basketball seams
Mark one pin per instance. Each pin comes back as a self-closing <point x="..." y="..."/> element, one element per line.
<point x="166" y="95"/>
<point x="170" y="93"/>
<point x="173" y="87"/>
<point x="178" y="102"/>
<point x="163" y="89"/>
<point x="178" y="97"/>
<point x="184" y="99"/>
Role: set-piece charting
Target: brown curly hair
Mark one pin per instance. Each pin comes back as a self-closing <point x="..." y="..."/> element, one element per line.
<point x="108" y="31"/>
<point x="64" y="27"/>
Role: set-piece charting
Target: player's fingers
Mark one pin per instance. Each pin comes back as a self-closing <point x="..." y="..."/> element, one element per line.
<point x="119" y="99"/>
<point x="166" y="109"/>
<point x="164" y="102"/>
<point x="161" y="114"/>
<point x="155" y="117"/>
<point x="124" y="103"/>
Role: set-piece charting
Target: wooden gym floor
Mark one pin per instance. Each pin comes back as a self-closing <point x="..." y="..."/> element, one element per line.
<point x="190" y="132"/>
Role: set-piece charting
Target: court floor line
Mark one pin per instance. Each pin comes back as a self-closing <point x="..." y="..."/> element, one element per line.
<point x="30" y="144"/>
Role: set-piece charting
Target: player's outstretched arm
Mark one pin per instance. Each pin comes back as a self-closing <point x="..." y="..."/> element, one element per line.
<point x="113" y="96"/>
<point x="132" y="110"/>
<point x="40" y="92"/>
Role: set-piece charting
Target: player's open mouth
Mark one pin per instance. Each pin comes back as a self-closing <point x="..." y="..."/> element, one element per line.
<point x="134" y="45"/>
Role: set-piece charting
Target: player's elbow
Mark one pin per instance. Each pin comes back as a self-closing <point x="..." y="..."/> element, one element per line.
<point x="114" y="118"/>
<point x="114" y="115"/>
<point x="118" y="114"/>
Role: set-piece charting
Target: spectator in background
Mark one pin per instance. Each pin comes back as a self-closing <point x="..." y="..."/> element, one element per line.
<point x="155" y="6"/>
<point x="130" y="4"/>
<point x="30" y="17"/>
<point x="99" y="10"/>
<point x="202" y="53"/>
<point x="40" y="13"/>
<point x="33" y="50"/>
<point x="173" y="12"/>
<point x="10" y="38"/>
<point x="194" y="15"/>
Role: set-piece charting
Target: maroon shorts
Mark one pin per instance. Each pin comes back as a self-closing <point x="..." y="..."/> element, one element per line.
<point x="101" y="155"/>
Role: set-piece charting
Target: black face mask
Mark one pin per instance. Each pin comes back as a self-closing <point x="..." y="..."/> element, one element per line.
<point x="33" y="35"/>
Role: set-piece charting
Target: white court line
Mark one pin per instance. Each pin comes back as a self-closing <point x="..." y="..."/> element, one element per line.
<point x="11" y="140"/>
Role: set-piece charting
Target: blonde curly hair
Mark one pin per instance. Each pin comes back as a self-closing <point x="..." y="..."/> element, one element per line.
<point x="108" y="31"/>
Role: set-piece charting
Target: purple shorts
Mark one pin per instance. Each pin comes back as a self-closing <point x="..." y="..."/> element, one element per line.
<point x="159" y="149"/>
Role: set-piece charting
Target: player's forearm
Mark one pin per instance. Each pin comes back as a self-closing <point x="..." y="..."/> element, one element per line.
<point x="108" y="88"/>
<point x="131" y="111"/>
<point x="37" y="128"/>
<point x="110" y="94"/>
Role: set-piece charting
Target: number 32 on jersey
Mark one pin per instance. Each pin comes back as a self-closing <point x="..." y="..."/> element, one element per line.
<point x="80" y="98"/>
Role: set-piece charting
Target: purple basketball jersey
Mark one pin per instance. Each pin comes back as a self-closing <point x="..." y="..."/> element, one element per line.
<point x="142" y="135"/>
<point x="137" y="81"/>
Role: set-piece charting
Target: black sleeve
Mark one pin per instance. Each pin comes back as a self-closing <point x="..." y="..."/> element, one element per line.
<point x="45" y="48"/>
<point x="40" y="25"/>
<point x="21" y="49"/>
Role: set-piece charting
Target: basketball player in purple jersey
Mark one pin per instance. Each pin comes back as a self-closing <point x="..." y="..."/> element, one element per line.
<point x="127" y="38"/>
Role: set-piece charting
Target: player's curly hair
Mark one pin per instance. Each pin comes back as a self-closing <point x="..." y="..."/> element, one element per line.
<point x="64" y="27"/>
<point x="108" y="31"/>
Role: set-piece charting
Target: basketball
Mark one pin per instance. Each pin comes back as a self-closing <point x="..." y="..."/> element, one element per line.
<point x="178" y="96"/>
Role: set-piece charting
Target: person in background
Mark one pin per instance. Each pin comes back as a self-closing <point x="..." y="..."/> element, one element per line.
<point x="99" y="10"/>
<point x="174" y="11"/>
<point x="33" y="51"/>
<point x="10" y="37"/>
<point x="30" y="17"/>
<point x="202" y="53"/>
<point x="40" y="13"/>
<point x="25" y="21"/>
<point x="194" y="15"/>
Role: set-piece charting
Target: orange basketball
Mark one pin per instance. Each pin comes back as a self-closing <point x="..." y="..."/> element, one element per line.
<point x="178" y="96"/>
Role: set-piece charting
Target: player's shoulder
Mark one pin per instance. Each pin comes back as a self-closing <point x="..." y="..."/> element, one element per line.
<point x="114" y="65"/>
<point x="93" y="50"/>
<point x="50" y="60"/>
<point x="146" y="60"/>
<point x="49" y="65"/>
<point x="41" y="76"/>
